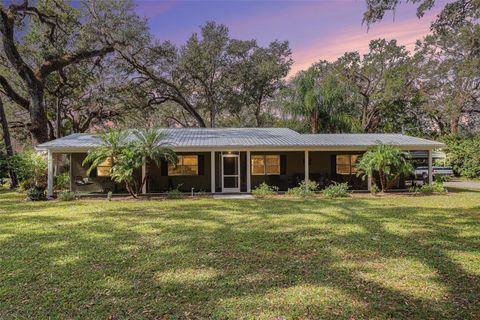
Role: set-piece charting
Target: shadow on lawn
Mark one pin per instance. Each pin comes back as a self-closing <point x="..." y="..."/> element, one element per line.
<point x="240" y="258"/>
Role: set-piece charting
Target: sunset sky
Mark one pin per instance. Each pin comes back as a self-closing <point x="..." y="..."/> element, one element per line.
<point x="322" y="29"/>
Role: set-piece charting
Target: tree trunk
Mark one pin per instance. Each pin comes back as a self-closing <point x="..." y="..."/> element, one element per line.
<point x="314" y="122"/>
<point x="258" y="117"/>
<point x="39" y="125"/>
<point x="8" y="142"/>
<point x="454" y="125"/>
<point x="59" y="118"/>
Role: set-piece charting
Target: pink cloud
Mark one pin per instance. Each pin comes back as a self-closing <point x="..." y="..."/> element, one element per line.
<point x="354" y="39"/>
<point x="151" y="9"/>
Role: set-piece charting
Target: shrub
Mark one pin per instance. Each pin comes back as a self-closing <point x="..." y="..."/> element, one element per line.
<point x="61" y="181"/>
<point x="463" y="154"/>
<point x="67" y="196"/>
<point x="435" y="187"/>
<point x="174" y="193"/>
<point x="109" y="195"/>
<point x="28" y="166"/>
<point x="337" y="190"/>
<point x="264" y="190"/>
<point x="374" y="189"/>
<point x="387" y="161"/>
<point x="304" y="189"/>
<point x="37" y="193"/>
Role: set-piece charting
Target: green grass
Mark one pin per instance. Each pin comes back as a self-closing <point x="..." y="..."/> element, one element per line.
<point x="360" y="258"/>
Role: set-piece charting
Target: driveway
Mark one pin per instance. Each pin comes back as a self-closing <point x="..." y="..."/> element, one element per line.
<point x="461" y="184"/>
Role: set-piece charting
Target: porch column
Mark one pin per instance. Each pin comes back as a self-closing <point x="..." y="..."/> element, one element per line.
<point x="50" y="174"/>
<point x="70" y="172"/>
<point x="144" y="171"/>
<point x="369" y="182"/>
<point x="249" y="180"/>
<point x="430" y="172"/>
<point x="307" y="172"/>
<point x="212" y="171"/>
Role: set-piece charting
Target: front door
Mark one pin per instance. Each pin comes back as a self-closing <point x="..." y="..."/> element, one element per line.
<point x="230" y="173"/>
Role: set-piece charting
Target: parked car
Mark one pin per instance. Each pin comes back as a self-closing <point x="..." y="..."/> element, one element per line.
<point x="422" y="172"/>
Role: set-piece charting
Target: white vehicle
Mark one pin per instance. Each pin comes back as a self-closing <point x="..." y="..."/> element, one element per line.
<point x="422" y="172"/>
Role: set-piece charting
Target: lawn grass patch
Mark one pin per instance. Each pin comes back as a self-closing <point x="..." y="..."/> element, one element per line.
<point x="398" y="257"/>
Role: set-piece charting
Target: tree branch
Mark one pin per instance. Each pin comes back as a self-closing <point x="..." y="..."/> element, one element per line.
<point x="12" y="94"/>
<point x="58" y="63"/>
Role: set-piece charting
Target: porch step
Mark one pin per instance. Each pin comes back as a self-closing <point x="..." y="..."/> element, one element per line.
<point x="233" y="196"/>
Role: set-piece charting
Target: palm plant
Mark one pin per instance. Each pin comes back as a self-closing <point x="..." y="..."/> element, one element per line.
<point x="318" y="95"/>
<point x="128" y="151"/>
<point x="152" y="146"/>
<point x="386" y="160"/>
<point x="112" y="143"/>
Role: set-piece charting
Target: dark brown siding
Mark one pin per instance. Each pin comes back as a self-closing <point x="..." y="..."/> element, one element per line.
<point x="161" y="182"/>
<point x="95" y="184"/>
<point x="290" y="176"/>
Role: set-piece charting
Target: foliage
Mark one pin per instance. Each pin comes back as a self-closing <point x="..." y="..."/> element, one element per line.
<point x="374" y="189"/>
<point x="211" y="77"/>
<point x="435" y="187"/>
<point x="30" y="167"/>
<point x="463" y="154"/>
<point x="61" y="181"/>
<point x="337" y="190"/>
<point x="326" y="103"/>
<point x="304" y="189"/>
<point x="175" y="192"/>
<point x="385" y="160"/>
<point x="67" y="196"/>
<point x="217" y="248"/>
<point x="37" y="193"/>
<point x="128" y="151"/>
<point x="109" y="195"/>
<point x="264" y="190"/>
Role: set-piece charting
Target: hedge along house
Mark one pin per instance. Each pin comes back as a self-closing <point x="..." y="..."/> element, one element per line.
<point x="234" y="160"/>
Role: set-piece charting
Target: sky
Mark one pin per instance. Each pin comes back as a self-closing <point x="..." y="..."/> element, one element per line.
<point x="321" y="29"/>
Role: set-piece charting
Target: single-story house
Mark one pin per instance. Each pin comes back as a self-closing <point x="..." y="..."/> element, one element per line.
<point x="235" y="160"/>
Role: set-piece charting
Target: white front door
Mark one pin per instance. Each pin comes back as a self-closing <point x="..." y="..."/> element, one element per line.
<point x="230" y="173"/>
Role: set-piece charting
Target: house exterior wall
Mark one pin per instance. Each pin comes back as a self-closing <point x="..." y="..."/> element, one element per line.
<point x="161" y="182"/>
<point x="322" y="169"/>
<point x="94" y="184"/>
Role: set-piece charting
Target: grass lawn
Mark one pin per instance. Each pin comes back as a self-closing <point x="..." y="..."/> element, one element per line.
<point x="398" y="257"/>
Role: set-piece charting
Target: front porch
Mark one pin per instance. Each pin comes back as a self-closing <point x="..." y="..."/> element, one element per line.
<point x="225" y="171"/>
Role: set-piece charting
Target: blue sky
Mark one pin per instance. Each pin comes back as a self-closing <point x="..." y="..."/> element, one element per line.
<point x="322" y="29"/>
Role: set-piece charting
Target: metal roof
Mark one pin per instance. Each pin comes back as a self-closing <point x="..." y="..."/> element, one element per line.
<point x="236" y="138"/>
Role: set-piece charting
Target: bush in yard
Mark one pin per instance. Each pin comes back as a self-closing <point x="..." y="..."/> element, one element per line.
<point x="30" y="168"/>
<point x="37" y="193"/>
<point x="264" y="190"/>
<point x="435" y="187"/>
<point x="304" y="189"/>
<point x="128" y="151"/>
<point x="61" y="181"/>
<point x="385" y="160"/>
<point x="67" y="196"/>
<point x="337" y="190"/>
<point x="174" y="193"/>
<point x="463" y="154"/>
<point x="374" y="189"/>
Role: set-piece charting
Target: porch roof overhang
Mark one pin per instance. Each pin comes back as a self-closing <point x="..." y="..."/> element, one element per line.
<point x="252" y="139"/>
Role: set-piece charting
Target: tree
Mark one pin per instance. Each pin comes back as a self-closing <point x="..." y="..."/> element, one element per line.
<point x="327" y="103"/>
<point x="128" y="151"/>
<point x="209" y="77"/>
<point x="8" y="143"/>
<point x="38" y="41"/>
<point x="385" y="160"/>
<point x="453" y="14"/>
<point x="385" y="78"/>
<point x="449" y="77"/>
<point x="150" y="145"/>
<point x="112" y="142"/>
<point x="258" y="74"/>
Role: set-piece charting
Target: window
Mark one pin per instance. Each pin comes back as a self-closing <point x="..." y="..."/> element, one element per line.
<point x="346" y="164"/>
<point x="185" y="166"/>
<point x="265" y="165"/>
<point x="104" y="169"/>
